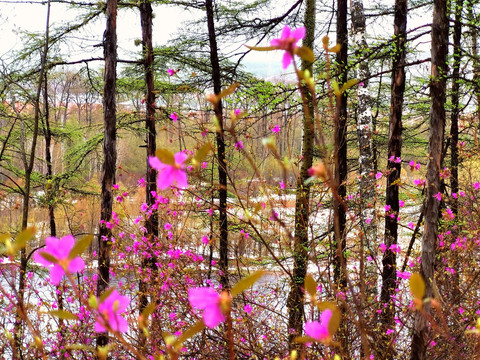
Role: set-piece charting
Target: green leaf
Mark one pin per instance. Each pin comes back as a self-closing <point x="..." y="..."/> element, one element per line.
<point x="80" y="246"/>
<point x="106" y="294"/>
<point x="262" y="48"/>
<point x="165" y="156"/>
<point x="190" y="332"/>
<point x="245" y="283"/>
<point x="49" y="257"/>
<point x="335" y="88"/>
<point x="65" y="315"/>
<point x="417" y="286"/>
<point x="334" y="322"/>
<point x="305" y="53"/>
<point x="310" y="285"/>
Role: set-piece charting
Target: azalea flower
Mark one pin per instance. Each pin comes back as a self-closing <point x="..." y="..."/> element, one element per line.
<point x="168" y="174"/>
<point x="174" y="116"/>
<point x="288" y="42"/>
<point x="239" y="145"/>
<point x="319" y="329"/>
<point x="60" y="250"/>
<point x="171" y="72"/>
<point x="111" y="308"/>
<point x="208" y="300"/>
<point x="276" y="129"/>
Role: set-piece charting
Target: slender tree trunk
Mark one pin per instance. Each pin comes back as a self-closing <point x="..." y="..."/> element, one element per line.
<point x="457" y="55"/>
<point x="222" y="164"/>
<point x="109" y="152"/>
<point x="302" y="203"/>
<point x="341" y="168"/>
<point x="389" y="275"/>
<point x="421" y="333"/>
<point x="28" y="163"/>
<point x="476" y="63"/>
<point x="365" y="160"/>
<point x="146" y="16"/>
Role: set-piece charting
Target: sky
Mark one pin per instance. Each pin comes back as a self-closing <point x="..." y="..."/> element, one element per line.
<point x="23" y="16"/>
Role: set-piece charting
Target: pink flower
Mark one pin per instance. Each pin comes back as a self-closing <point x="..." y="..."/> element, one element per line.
<point x="168" y="174"/>
<point x="288" y="42"/>
<point x="204" y="165"/>
<point x="174" y="116"/>
<point x="419" y="182"/>
<point x="205" y="239"/>
<point x="438" y="196"/>
<point x="401" y="203"/>
<point x="383" y="247"/>
<point x="414" y="165"/>
<point x="379" y="175"/>
<point x="276" y="129"/>
<point x="248" y="309"/>
<point x="237" y="112"/>
<point x="389" y="331"/>
<point x="110" y="310"/>
<point x="411" y="225"/>
<point x="319" y="329"/>
<point x="208" y="300"/>
<point x="115" y="186"/>
<point x="282" y="185"/>
<point x="60" y="250"/>
<point x="239" y="145"/>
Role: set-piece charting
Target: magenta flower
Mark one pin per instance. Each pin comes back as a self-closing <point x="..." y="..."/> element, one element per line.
<point x="60" y="250"/>
<point x="174" y="116"/>
<point x="276" y="129"/>
<point x="319" y="329"/>
<point x="208" y="300"/>
<point x="171" y="72"/>
<point x="239" y="145"/>
<point x="168" y="174"/>
<point x="111" y="308"/>
<point x="288" y="42"/>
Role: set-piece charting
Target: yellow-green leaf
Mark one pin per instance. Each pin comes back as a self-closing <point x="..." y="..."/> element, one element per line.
<point x="304" y="339"/>
<point x="106" y="294"/>
<point x="80" y="246"/>
<point x="202" y="152"/>
<point x="310" y="285"/>
<point x="349" y="84"/>
<point x="165" y="157"/>
<point x="65" y="315"/>
<point x="417" y="286"/>
<point x="22" y="238"/>
<point x="149" y="309"/>
<point x="335" y="88"/>
<point x="334" y="322"/>
<point x="190" y="332"/>
<point x="49" y="257"/>
<point x="305" y="53"/>
<point x="228" y="91"/>
<point x="262" y="48"/>
<point x="246" y="282"/>
<point x="335" y="49"/>
<point x="79" y="347"/>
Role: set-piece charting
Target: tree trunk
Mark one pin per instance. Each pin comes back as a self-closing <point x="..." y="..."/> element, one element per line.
<point x="420" y="339"/>
<point x="389" y="274"/>
<point x="146" y="16"/>
<point x="222" y="164"/>
<point x="28" y="163"/>
<point x="302" y="207"/>
<point x="109" y="152"/>
<point x="341" y="168"/>
<point x="365" y="160"/>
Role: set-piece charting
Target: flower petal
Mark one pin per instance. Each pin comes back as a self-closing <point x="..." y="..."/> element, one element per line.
<point x="203" y="297"/>
<point x="65" y="245"/>
<point x="156" y="163"/>
<point x="181" y="178"/>
<point x="76" y="265"/>
<point x="286" y="60"/>
<point x="298" y="34"/>
<point x="165" y="178"/>
<point x="180" y="157"/>
<point x="213" y="316"/>
<point x="56" y="274"/>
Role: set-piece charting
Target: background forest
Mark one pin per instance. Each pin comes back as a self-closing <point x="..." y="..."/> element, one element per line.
<point x="291" y="180"/>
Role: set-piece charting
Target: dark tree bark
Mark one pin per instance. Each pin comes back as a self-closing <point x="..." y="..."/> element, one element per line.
<point x="389" y="274"/>
<point x="341" y="167"/>
<point x="28" y="164"/>
<point x="109" y="152"/>
<point x="222" y="164"/>
<point x="302" y="203"/>
<point x="457" y="55"/>
<point x="421" y="332"/>
<point x="146" y="17"/>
